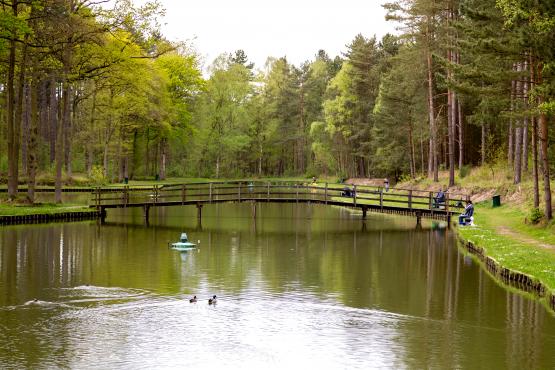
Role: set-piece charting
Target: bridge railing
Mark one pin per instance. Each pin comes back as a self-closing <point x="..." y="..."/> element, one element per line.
<point x="277" y="191"/>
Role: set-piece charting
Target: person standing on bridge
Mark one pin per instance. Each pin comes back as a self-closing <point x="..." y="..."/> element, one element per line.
<point x="386" y="184"/>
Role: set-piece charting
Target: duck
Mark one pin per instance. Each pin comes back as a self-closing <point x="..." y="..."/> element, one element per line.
<point x="193" y="300"/>
<point x="212" y="300"/>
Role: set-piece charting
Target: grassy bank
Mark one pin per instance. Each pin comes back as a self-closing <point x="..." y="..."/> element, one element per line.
<point x="522" y="248"/>
<point x="7" y="209"/>
<point x="506" y="233"/>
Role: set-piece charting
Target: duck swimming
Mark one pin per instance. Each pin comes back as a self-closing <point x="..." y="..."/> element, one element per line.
<point x="212" y="300"/>
<point x="193" y="300"/>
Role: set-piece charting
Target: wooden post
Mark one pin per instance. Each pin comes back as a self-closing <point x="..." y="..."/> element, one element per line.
<point x="146" y="211"/>
<point x="381" y="199"/>
<point x="268" y="196"/>
<point x="430" y="201"/>
<point x="183" y="194"/>
<point x="239" y="192"/>
<point x="199" y="212"/>
<point x="355" y="195"/>
<point x="210" y="193"/>
<point x="364" y="210"/>
<point x="102" y="214"/>
<point x="326" y="194"/>
<point x="297" y="192"/>
<point x="410" y="199"/>
<point x="447" y="203"/>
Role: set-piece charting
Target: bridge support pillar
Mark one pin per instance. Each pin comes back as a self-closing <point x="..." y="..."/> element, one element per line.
<point x="364" y="212"/>
<point x="146" y="213"/>
<point x="102" y="214"/>
<point x="199" y="213"/>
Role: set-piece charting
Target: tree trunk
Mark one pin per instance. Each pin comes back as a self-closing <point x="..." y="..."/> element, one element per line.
<point x="26" y="128"/>
<point x="510" y="152"/>
<point x="432" y="159"/>
<point x="525" y="89"/>
<point x="60" y="152"/>
<point x="543" y="135"/>
<point x="545" y="162"/>
<point x="411" y="146"/>
<point x="261" y="153"/>
<point x="10" y="116"/>
<point x="518" y="132"/>
<point x="32" y="137"/>
<point x="53" y="118"/>
<point x="66" y="111"/>
<point x="163" y="150"/>
<point x="518" y="156"/>
<point x="535" y="163"/>
<point x="18" y="119"/>
<point x="68" y="131"/>
<point x="483" y="149"/>
<point x="451" y="138"/>
<point x="461" y="134"/>
<point x="89" y="154"/>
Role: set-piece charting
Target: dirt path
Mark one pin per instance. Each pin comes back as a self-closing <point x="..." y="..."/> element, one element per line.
<point x="506" y="231"/>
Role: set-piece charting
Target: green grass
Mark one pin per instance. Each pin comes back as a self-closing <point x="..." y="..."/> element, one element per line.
<point x="39" y="209"/>
<point x="519" y="249"/>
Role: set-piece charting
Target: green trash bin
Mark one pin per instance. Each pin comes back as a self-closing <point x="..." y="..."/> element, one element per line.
<point x="496" y="201"/>
<point x="126" y="180"/>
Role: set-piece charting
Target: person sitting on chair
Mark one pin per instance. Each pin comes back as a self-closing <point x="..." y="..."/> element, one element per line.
<point x="439" y="200"/>
<point x="346" y="192"/>
<point x="468" y="214"/>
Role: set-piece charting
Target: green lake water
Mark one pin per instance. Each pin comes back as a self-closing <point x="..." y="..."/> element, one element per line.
<point x="299" y="286"/>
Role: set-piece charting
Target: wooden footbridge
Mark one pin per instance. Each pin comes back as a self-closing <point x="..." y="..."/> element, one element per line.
<point x="416" y="203"/>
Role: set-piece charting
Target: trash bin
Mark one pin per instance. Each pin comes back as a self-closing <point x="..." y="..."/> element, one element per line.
<point x="126" y="180"/>
<point x="496" y="200"/>
<point x="157" y="177"/>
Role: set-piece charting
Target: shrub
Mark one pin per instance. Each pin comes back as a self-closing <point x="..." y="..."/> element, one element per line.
<point x="464" y="171"/>
<point x="342" y="177"/>
<point x="536" y="215"/>
<point x="97" y="176"/>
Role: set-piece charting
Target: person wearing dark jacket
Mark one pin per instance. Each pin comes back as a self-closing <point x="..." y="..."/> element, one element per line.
<point x="439" y="199"/>
<point x="468" y="213"/>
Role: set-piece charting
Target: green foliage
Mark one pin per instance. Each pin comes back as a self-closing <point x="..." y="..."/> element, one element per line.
<point x="97" y="176"/>
<point x="536" y="215"/>
<point x="464" y="171"/>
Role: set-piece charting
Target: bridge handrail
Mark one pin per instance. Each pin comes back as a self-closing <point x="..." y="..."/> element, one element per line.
<point x="258" y="190"/>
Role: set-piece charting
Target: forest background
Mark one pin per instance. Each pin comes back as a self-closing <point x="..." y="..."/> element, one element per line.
<point x="96" y="94"/>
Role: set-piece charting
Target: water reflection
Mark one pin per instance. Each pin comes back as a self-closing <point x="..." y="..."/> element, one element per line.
<point x="298" y="286"/>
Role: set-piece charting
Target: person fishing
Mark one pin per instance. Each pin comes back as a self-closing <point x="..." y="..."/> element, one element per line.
<point x="468" y="214"/>
<point x="439" y="198"/>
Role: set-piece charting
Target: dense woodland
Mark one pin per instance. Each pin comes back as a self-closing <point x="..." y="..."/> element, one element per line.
<point x="100" y="92"/>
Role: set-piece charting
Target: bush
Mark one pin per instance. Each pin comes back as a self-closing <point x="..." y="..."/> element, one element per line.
<point x="342" y="177"/>
<point x="464" y="171"/>
<point x="97" y="176"/>
<point x="536" y="215"/>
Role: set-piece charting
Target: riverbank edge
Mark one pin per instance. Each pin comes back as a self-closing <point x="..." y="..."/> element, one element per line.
<point x="66" y="216"/>
<point x="513" y="278"/>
